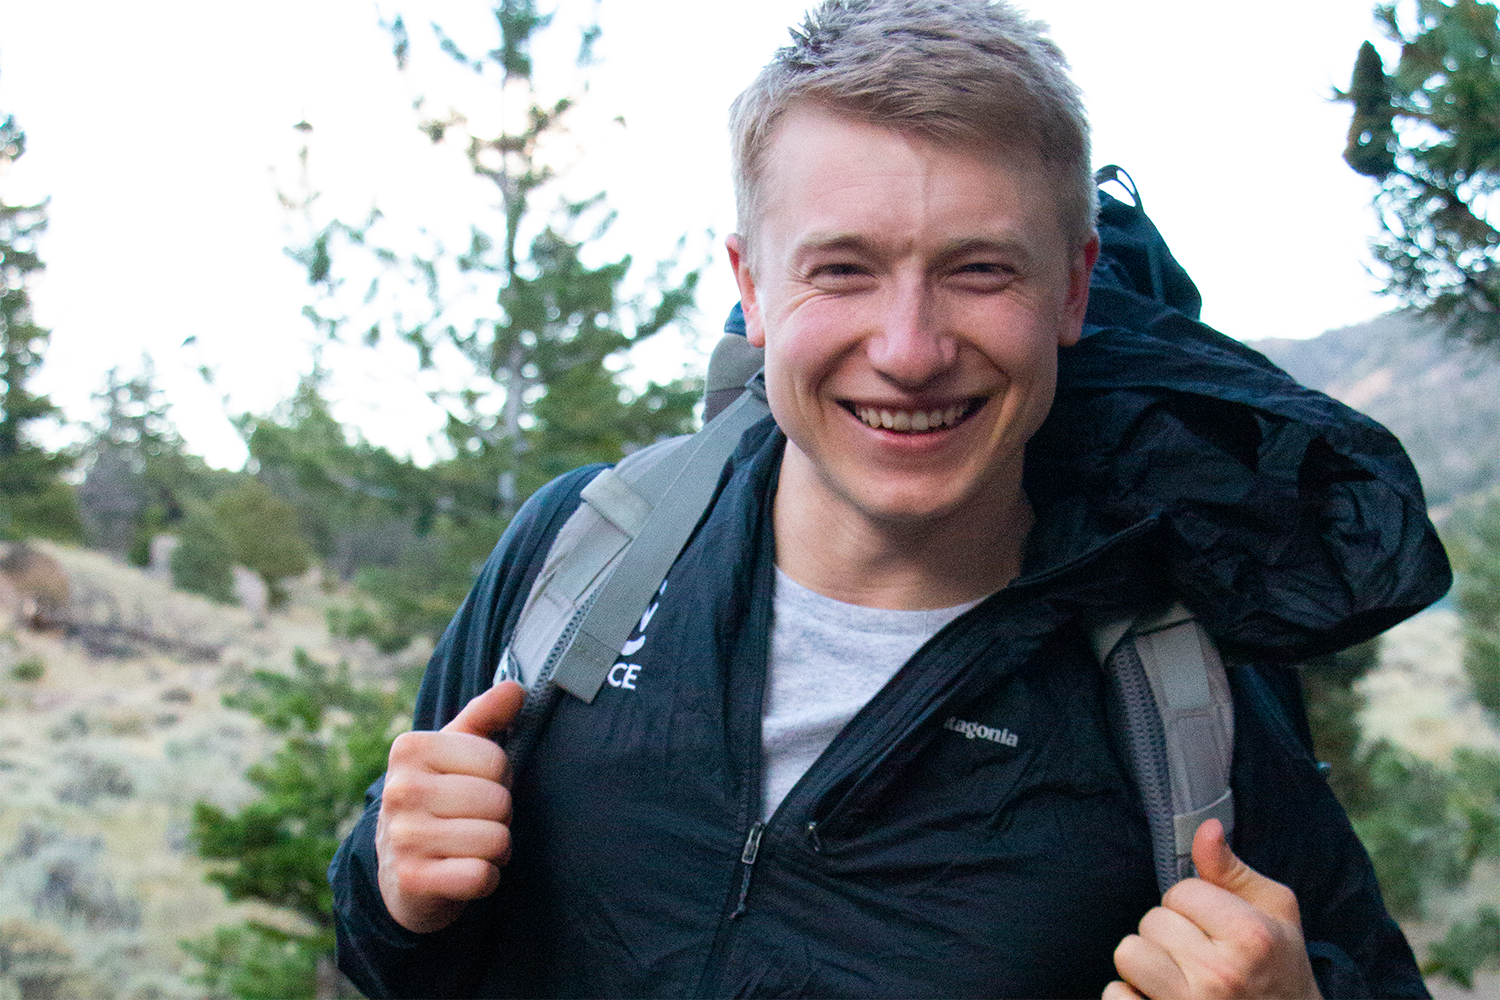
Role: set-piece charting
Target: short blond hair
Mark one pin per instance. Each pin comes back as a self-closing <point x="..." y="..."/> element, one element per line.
<point x="971" y="74"/>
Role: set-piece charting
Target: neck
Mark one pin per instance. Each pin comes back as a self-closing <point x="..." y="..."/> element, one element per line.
<point x="900" y="564"/>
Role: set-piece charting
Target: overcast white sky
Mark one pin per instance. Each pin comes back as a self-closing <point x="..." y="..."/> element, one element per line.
<point x="160" y="130"/>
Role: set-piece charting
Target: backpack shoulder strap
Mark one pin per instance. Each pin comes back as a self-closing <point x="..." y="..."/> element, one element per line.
<point x="1176" y="723"/>
<point x="585" y="548"/>
<point x="612" y="555"/>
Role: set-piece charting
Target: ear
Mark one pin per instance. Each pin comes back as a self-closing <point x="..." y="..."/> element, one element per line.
<point x="1080" y="269"/>
<point x="739" y="260"/>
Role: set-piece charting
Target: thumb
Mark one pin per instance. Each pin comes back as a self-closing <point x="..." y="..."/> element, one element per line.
<point x="1218" y="865"/>
<point x="491" y="712"/>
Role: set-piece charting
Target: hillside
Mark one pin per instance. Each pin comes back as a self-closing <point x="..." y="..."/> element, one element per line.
<point x="1438" y="396"/>
<point x="101" y="759"/>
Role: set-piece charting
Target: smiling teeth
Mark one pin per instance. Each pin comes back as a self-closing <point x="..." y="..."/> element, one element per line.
<point x="911" y="420"/>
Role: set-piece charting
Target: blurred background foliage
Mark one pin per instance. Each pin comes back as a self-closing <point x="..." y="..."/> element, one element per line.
<point x="1429" y="132"/>
<point x="276" y="850"/>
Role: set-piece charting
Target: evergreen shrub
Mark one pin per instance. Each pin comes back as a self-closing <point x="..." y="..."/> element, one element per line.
<point x="201" y="562"/>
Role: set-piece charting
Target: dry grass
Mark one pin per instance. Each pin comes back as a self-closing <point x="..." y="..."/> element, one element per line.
<point x="101" y="760"/>
<point x="1420" y="697"/>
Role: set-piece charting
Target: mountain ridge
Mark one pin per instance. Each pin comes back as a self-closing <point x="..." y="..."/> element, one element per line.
<point x="1439" y="396"/>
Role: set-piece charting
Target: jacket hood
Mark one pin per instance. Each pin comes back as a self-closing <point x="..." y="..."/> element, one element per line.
<point x="1290" y="523"/>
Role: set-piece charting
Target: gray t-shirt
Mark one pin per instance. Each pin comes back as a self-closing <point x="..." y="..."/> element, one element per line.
<point x="827" y="659"/>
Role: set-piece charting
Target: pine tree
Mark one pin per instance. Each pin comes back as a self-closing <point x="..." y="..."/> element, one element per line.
<point x="140" y="479"/>
<point x="1426" y="827"/>
<point x="356" y="503"/>
<point x="202" y="562"/>
<point x="33" y="500"/>
<point x="276" y="850"/>
<point x="1335" y="702"/>
<point x="1472" y="812"/>
<point x="261" y="529"/>
<point x="408" y="536"/>
<point x="553" y="328"/>
<point x="1429" y="132"/>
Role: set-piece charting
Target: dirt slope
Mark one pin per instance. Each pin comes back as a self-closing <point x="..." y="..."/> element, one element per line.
<point x="101" y="760"/>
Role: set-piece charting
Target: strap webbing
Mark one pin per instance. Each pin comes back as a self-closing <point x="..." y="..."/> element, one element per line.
<point x="679" y="488"/>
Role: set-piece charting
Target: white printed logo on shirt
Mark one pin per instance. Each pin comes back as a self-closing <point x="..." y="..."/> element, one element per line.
<point x="979" y="731"/>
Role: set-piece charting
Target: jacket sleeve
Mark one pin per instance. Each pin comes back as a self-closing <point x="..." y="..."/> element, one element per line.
<point x="380" y="956"/>
<point x="1289" y="827"/>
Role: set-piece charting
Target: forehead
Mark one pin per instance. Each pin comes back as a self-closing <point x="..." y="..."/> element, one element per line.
<point x="826" y="172"/>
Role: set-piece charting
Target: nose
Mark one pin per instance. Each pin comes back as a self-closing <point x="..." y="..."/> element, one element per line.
<point x="910" y="346"/>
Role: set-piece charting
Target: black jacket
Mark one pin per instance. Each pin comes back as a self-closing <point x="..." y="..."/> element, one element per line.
<point x="913" y="859"/>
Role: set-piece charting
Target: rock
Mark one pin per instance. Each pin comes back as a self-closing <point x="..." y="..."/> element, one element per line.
<point x="37" y="586"/>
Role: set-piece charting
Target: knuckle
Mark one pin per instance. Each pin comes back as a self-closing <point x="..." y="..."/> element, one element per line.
<point x="406" y="839"/>
<point x="1126" y="949"/>
<point x="408" y="881"/>
<point x="400" y="843"/>
<point x="1154" y="918"/>
<point x="1258" y="942"/>
<point x="407" y="747"/>
<point x="1284" y="899"/>
<point x="1172" y="898"/>
<point x="425" y="881"/>
<point x="482" y="757"/>
<point x="402" y="791"/>
<point x="494" y="763"/>
<point x="472" y="878"/>
<point x="1219" y="981"/>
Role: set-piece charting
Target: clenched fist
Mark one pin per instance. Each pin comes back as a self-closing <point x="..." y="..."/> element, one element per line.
<point x="443" y="833"/>
<point x="1230" y="932"/>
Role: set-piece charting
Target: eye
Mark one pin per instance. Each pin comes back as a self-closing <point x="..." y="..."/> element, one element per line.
<point x="841" y="275"/>
<point x="986" y="267"/>
<point x="984" y="275"/>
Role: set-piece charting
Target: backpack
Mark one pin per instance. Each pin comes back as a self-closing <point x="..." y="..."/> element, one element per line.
<point x="1175" y="722"/>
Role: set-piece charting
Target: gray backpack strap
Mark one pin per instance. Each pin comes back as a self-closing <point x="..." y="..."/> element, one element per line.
<point x="733" y="363"/>
<point x="612" y="555"/>
<point x="587" y="547"/>
<point x="1178" y="728"/>
<point x="680" y="489"/>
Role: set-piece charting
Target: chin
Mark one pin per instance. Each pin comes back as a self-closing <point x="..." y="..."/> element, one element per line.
<point x="910" y="510"/>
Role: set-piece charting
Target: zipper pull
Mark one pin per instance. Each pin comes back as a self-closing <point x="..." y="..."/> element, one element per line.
<point x="747" y="859"/>
<point x="813" y="839"/>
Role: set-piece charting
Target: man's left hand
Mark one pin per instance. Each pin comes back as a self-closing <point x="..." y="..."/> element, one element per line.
<point x="1230" y="932"/>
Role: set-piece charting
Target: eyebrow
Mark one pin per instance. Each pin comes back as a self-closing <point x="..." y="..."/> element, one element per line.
<point x="820" y="243"/>
<point x="817" y="243"/>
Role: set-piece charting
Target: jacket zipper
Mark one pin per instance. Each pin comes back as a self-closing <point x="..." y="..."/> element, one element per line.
<point x="747" y="867"/>
<point x="797" y="799"/>
<point x="750" y="760"/>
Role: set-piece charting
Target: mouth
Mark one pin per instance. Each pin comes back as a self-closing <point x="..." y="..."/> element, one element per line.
<point x="915" y="421"/>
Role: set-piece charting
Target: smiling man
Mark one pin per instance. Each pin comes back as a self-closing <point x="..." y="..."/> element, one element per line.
<point x="911" y="299"/>
<point x="859" y="744"/>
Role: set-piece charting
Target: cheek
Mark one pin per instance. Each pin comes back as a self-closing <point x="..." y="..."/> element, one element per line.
<point x="1038" y="385"/>
<point x="807" y="347"/>
<point x="788" y="385"/>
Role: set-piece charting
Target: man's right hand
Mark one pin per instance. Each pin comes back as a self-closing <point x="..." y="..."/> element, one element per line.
<point x="444" y="828"/>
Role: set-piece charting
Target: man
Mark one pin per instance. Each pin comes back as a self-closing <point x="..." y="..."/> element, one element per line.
<point x="781" y="790"/>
